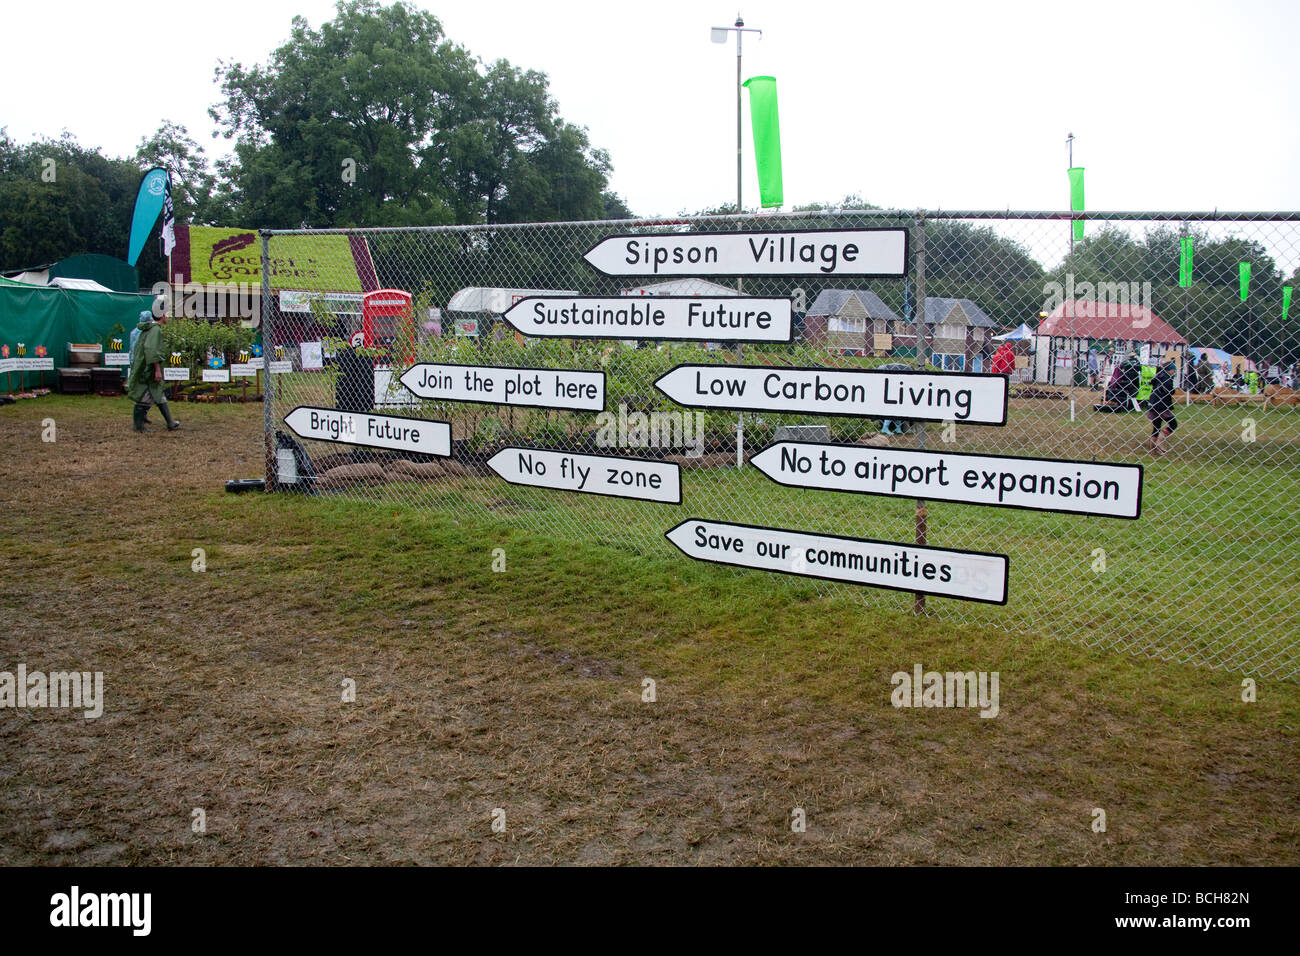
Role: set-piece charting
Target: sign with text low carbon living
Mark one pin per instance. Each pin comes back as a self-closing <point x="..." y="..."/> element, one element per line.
<point x="373" y="431"/>
<point x="942" y="572"/>
<point x="613" y="476"/>
<point x="824" y="252"/>
<point x="867" y="393"/>
<point x="572" y="389"/>
<point x="1039" y="484"/>
<point x="689" y="318"/>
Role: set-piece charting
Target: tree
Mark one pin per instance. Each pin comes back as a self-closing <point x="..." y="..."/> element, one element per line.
<point x="197" y="195"/>
<point x="377" y="119"/>
<point x="58" y="199"/>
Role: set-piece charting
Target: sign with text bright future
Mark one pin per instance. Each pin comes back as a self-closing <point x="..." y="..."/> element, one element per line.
<point x="827" y="252"/>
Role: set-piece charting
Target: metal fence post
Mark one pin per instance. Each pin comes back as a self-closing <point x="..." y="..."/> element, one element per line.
<point x="268" y="353"/>
<point x="918" y="319"/>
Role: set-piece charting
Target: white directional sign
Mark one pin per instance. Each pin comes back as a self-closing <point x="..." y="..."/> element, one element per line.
<point x="1040" y="484"/>
<point x="916" y="396"/>
<point x="216" y="375"/>
<point x="940" y="571"/>
<point x="373" y="431"/>
<point x="966" y="575"/>
<point x="826" y="252"/>
<point x="495" y="385"/>
<point x="696" y="318"/>
<point x="117" y="358"/>
<point x="173" y="374"/>
<point x="617" y="477"/>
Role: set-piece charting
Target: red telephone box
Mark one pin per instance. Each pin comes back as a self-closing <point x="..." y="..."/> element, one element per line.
<point x="386" y="318"/>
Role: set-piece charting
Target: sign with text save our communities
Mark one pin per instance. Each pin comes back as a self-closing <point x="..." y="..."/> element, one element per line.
<point x="943" y="572"/>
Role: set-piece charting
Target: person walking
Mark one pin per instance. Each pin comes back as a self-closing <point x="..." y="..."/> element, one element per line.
<point x="1160" y="406"/>
<point x="146" y="376"/>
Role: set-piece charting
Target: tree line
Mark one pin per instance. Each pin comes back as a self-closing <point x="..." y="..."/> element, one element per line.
<point x="376" y="118"/>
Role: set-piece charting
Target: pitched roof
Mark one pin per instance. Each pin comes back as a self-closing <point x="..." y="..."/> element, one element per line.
<point x="1089" y="319"/>
<point x="687" y="286"/>
<point x="938" y="308"/>
<point x="832" y="302"/>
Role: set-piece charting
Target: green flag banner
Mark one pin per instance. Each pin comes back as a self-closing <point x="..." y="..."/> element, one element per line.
<point x="1243" y="279"/>
<point x="767" y="139"/>
<point x="1076" y="198"/>
<point x="1286" y="301"/>
<point x="1185" y="263"/>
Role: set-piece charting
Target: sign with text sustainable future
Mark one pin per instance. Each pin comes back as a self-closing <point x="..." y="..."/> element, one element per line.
<point x="617" y="477"/>
<point x="496" y="385"/>
<point x="692" y="318"/>
<point x="965" y="575"/>
<point x="825" y="252"/>
<point x="1040" y="484"/>
<point x="867" y="393"/>
<point x="373" y="431"/>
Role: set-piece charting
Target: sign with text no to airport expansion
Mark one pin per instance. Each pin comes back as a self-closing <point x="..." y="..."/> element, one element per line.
<point x="826" y="252"/>
<point x="1040" y="484"/>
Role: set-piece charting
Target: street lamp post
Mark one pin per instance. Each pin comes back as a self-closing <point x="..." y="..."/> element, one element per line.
<point x="719" y="35"/>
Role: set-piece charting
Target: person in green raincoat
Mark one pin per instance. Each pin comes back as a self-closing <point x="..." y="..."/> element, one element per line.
<point x="146" y="376"/>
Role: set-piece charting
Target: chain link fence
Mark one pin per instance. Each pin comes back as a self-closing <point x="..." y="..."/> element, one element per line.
<point x="1204" y="575"/>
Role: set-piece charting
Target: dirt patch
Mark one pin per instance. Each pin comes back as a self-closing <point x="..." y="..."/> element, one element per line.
<point x="227" y="692"/>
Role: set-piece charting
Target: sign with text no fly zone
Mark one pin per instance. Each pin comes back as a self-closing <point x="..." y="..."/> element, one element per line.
<point x="942" y="572"/>
<point x="866" y="393"/>
<point x="1039" y="484"/>
<point x="826" y="252"/>
<point x="372" y="431"/>
<point x="690" y="318"/>
<point x="613" y="476"/>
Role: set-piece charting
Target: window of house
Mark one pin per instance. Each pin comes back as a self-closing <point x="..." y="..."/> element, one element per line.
<point x="950" y="361"/>
<point x="840" y="323"/>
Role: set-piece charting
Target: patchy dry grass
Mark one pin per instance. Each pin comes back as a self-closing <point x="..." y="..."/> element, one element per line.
<point x="522" y="691"/>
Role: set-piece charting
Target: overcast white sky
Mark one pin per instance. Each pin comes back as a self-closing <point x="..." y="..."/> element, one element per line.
<point x="1178" y="105"/>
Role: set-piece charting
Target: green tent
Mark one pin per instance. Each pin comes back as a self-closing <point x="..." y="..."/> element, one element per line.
<point x="52" y="317"/>
<point x="108" y="271"/>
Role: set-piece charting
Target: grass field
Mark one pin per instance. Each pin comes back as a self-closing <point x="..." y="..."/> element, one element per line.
<point x="1218" y="511"/>
<point x="522" y="690"/>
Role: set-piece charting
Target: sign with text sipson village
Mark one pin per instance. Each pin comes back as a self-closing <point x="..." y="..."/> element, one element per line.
<point x="826" y="252"/>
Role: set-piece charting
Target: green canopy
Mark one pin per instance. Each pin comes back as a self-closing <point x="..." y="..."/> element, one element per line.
<point x="45" y="315"/>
